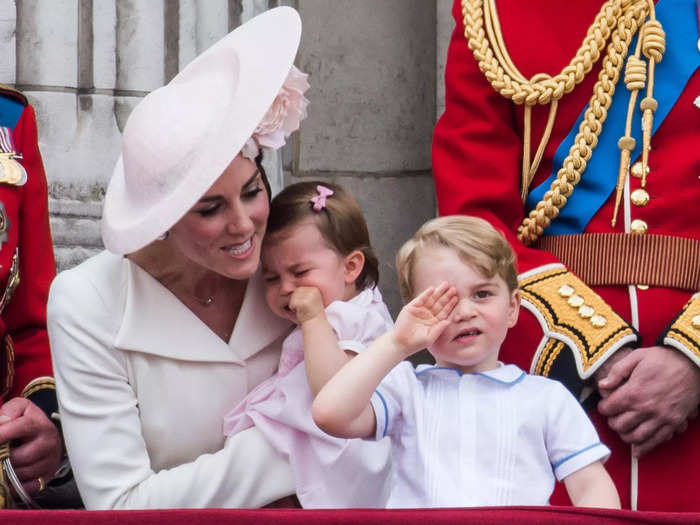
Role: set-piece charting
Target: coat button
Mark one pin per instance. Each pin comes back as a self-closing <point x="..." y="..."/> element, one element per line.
<point x="586" y="311"/>
<point x="566" y="290"/>
<point x="639" y="227"/>
<point x="598" y="321"/>
<point x="575" y="301"/>
<point x="636" y="170"/>
<point x="639" y="197"/>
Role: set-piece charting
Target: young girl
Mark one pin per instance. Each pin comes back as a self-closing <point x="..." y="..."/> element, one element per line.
<point x="469" y="431"/>
<point x="321" y="273"/>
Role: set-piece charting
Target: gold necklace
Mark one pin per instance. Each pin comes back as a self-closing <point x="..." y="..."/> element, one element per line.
<point x="209" y="299"/>
<point x="206" y="301"/>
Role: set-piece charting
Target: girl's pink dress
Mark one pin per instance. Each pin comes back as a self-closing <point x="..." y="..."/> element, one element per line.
<point x="329" y="472"/>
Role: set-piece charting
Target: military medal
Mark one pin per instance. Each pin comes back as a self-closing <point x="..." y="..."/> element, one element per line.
<point x="11" y="171"/>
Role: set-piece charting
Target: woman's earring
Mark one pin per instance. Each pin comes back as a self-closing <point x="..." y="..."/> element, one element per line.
<point x="164" y="236"/>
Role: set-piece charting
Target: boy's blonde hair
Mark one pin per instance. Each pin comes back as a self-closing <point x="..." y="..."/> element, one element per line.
<point x="475" y="241"/>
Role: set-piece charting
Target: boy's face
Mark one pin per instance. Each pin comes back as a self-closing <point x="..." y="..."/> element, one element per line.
<point x="479" y="322"/>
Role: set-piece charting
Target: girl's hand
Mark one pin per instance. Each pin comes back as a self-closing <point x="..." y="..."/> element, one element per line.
<point x="422" y="320"/>
<point x="306" y="303"/>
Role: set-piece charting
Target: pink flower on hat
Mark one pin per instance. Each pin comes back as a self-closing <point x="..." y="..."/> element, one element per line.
<point x="284" y="116"/>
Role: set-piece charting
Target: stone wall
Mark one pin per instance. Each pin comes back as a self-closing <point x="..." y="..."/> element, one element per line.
<point x="376" y="74"/>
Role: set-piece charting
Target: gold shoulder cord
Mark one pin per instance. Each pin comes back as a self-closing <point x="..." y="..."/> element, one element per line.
<point x="617" y="22"/>
<point x="5" y="494"/>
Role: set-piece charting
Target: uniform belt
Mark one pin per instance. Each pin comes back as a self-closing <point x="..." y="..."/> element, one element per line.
<point x="605" y="259"/>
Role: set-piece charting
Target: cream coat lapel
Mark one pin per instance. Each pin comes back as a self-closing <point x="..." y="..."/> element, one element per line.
<point x="156" y="322"/>
<point x="257" y="327"/>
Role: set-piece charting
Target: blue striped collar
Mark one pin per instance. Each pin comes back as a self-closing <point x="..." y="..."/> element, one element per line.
<point x="505" y="374"/>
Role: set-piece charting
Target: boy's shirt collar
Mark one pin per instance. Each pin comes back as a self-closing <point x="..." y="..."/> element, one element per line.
<point x="505" y="374"/>
<point x="508" y="374"/>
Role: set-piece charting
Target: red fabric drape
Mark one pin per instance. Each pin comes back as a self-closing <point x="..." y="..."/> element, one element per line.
<point x="540" y="515"/>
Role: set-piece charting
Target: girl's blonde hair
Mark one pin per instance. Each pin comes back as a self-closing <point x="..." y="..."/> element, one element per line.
<point x="340" y="222"/>
<point x="475" y="241"/>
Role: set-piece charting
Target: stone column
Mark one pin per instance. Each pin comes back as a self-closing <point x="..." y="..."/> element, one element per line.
<point x="8" y="24"/>
<point x="445" y="27"/>
<point x="47" y="65"/>
<point x="372" y="69"/>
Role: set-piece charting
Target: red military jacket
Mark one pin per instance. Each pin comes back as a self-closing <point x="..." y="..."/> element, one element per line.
<point x="25" y="361"/>
<point x="477" y="154"/>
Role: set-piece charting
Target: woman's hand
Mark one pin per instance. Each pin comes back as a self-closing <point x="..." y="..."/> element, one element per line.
<point x="422" y="320"/>
<point x="306" y="303"/>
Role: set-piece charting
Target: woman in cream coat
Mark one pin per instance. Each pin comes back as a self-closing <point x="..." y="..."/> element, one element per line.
<point x="156" y="339"/>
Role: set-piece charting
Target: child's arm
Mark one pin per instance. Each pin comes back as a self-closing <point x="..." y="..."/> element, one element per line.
<point x="342" y="408"/>
<point x="322" y="355"/>
<point x="592" y="486"/>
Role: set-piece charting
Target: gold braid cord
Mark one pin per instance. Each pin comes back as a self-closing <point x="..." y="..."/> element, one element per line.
<point x="508" y="81"/>
<point x="652" y="43"/>
<point x="40" y="383"/>
<point x="5" y="496"/>
<point x="7" y="365"/>
<point x="617" y="21"/>
<point x="684" y="332"/>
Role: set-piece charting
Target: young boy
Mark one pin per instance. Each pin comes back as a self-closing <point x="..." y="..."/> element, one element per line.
<point x="468" y="431"/>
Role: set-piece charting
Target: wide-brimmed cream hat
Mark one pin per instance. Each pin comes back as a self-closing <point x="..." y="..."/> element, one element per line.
<point x="180" y="137"/>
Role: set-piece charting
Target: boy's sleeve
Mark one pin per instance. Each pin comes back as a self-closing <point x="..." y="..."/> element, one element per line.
<point x="571" y="440"/>
<point x="390" y="399"/>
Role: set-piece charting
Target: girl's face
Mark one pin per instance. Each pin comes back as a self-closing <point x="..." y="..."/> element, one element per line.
<point x="300" y="256"/>
<point x="223" y="231"/>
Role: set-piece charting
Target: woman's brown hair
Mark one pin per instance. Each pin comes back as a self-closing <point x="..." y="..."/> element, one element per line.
<point x="340" y="222"/>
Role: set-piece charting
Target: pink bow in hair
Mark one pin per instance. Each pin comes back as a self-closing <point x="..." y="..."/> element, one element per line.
<point x="320" y="199"/>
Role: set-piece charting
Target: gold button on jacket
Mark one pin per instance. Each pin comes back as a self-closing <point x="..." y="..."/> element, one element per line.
<point x="639" y="227"/>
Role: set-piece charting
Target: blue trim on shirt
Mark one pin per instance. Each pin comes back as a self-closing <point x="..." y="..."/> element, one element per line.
<point x="459" y="372"/>
<point x="567" y="458"/>
<point x="10" y="111"/>
<point x="386" y="412"/>
<point x="515" y="381"/>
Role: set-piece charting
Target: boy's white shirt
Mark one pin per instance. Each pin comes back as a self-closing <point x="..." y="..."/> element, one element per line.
<point x="526" y="430"/>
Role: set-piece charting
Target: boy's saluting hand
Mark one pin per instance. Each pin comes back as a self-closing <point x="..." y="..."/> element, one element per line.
<point x="423" y="319"/>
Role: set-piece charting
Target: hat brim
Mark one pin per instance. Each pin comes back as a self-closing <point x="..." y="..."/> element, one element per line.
<point x="265" y="47"/>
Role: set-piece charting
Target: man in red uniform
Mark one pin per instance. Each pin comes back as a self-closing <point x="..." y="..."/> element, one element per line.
<point x="27" y="391"/>
<point x="606" y="228"/>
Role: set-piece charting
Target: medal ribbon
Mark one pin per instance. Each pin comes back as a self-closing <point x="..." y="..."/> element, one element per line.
<point x="7" y="145"/>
